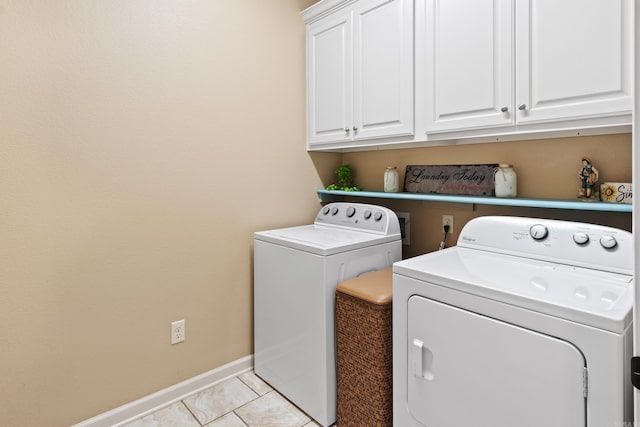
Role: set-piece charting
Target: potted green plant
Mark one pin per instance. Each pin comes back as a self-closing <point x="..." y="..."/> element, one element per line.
<point x="345" y="179"/>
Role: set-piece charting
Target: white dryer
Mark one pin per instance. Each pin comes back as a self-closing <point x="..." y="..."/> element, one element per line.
<point x="526" y="322"/>
<point x="296" y="271"/>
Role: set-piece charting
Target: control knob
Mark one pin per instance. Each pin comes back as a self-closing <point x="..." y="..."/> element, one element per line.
<point x="581" y="238"/>
<point x="367" y="214"/>
<point x="378" y="216"/>
<point x="538" y="231"/>
<point x="608" y="241"/>
<point x="351" y="211"/>
<point x="334" y="211"/>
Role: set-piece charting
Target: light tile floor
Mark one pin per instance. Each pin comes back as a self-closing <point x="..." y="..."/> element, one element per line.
<point x="241" y="401"/>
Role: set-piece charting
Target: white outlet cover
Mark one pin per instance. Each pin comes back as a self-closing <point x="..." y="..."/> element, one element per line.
<point x="177" y="331"/>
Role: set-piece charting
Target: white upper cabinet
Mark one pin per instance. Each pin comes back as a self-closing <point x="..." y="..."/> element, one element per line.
<point x="359" y="71"/>
<point x="573" y="58"/>
<point x="496" y="63"/>
<point x="383" y="68"/>
<point x="329" y="79"/>
<point x="468" y="64"/>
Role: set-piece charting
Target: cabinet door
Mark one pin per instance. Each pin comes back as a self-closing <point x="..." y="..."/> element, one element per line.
<point x="329" y="84"/>
<point x="383" y="68"/>
<point x="573" y="59"/>
<point x="469" y="77"/>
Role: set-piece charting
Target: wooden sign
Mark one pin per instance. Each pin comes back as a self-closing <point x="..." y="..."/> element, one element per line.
<point x="476" y="180"/>
<point x="616" y="192"/>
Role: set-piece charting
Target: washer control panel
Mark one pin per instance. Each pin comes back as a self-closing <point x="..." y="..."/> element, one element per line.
<point x="566" y="242"/>
<point x="359" y="216"/>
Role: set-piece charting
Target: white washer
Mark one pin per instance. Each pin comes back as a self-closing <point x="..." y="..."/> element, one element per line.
<point x="296" y="271"/>
<point x="525" y="322"/>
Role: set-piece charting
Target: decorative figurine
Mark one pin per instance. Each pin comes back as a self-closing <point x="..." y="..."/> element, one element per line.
<point x="588" y="177"/>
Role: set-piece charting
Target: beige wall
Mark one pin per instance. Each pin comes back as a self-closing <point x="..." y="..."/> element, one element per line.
<point x="546" y="168"/>
<point x="142" y="142"/>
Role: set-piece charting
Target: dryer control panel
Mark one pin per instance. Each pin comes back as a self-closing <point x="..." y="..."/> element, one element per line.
<point x="565" y="242"/>
<point x="359" y="216"/>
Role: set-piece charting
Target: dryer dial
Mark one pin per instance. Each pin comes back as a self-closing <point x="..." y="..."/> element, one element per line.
<point x="351" y="211"/>
<point x="538" y="231"/>
<point x="608" y="241"/>
<point x="581" y="238"/>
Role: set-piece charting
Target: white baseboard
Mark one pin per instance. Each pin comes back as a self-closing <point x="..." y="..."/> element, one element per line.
<point x="169" y="395"/>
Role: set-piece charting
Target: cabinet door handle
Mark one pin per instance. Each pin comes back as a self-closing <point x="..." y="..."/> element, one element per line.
<point x="347" y="130"/>
<point x="504" y="109"/>
<point x="522" y="107"/>
<point x="355" y="129"/>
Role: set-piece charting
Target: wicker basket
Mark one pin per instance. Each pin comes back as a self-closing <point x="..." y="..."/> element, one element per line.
<point x="364" y="351"/>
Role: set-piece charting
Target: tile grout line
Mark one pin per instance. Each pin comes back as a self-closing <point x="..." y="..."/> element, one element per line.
<point x="255" y="392"/>
<point x="240" y="418"/>
<point x="190" y="411"/>
<point x="258" y="396"/>
<point x="234" y="410"/>
<point x="245" y="404"/>
<point x="249" y="385"/>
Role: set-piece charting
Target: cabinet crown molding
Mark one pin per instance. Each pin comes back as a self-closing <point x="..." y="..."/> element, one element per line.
<point x="324" y="8"/>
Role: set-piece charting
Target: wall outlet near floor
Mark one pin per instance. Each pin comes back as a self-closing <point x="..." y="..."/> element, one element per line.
<point x="177" y="331"/>
<point x="448" y="220"/>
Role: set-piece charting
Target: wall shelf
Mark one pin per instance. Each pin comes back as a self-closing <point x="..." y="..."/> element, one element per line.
<point x="335" y="195"/>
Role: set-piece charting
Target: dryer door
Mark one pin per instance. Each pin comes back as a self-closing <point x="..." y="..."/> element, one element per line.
<point x="466" y="369"/>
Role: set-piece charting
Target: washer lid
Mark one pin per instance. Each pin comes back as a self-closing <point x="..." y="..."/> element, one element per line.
<point x="323" y="240"/>
<point x="592" y="297"/>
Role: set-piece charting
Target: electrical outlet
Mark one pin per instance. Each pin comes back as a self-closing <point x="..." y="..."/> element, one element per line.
<point x="448" y="220"/>
<point x="405" y="227"/>
<point x="177" y="331"/>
